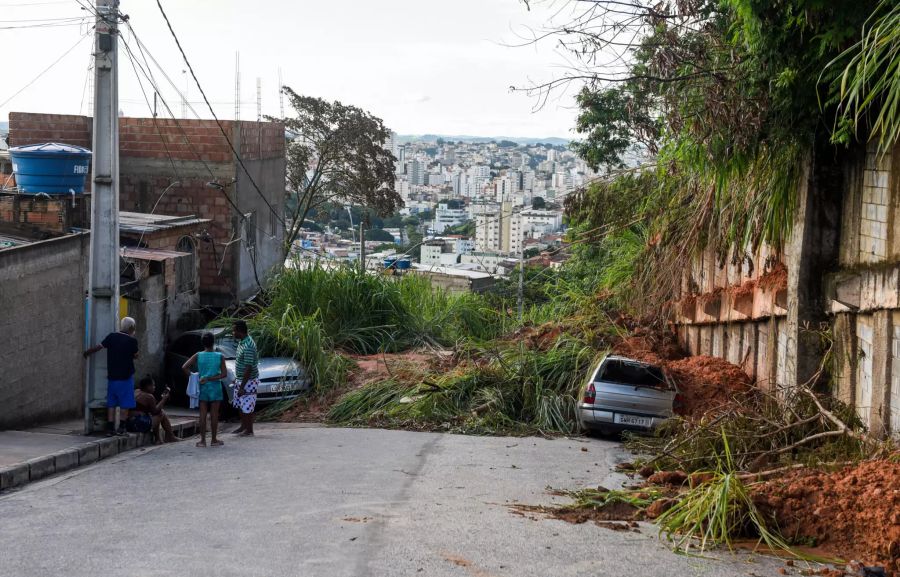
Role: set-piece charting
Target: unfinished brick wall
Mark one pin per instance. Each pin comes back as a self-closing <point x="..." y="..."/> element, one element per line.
<point x="27" y="128"/>
<point x="182" y="139"/>
<point x="35" y="215"/>
<point x="261" y="140"/>
<point x="156" y="153"/>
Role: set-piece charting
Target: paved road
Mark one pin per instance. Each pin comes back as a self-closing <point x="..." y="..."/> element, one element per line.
<point x="332" y="502"/>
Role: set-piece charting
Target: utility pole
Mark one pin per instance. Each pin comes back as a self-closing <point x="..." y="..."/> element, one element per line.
<point x="103" y="292"/>
<point x="362" y="241"/>
<point x="280" y="93"/>
<point x="521" y="280"/>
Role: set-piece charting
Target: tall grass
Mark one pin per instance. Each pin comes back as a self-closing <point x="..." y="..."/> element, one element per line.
<point x="718" y="511"/>
<point x="364" y="313"/>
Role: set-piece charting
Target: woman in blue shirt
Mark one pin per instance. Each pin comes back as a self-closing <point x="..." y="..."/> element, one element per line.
<point x="211" y="368"/>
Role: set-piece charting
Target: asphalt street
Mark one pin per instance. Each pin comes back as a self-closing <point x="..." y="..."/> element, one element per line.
<point x="335" y="502"/>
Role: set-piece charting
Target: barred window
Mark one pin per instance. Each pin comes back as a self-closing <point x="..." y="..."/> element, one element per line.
<point x="186" y="266"/>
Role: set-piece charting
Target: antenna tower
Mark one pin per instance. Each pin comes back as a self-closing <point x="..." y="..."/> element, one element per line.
<point x="237" y="85"/>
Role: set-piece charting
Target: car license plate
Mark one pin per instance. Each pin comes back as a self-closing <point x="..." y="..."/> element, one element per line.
<point x="632" y="420"/>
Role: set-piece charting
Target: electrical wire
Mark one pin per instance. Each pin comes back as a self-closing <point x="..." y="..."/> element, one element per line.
<point x="44" y="71"/>
<point x="221" y="128"/>
<point x="148" y="75"/>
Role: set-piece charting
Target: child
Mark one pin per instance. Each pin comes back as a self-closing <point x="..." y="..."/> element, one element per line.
<point x="211" y="367"/>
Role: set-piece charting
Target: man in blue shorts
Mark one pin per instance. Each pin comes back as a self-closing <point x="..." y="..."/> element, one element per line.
<point x="121" y="350"/>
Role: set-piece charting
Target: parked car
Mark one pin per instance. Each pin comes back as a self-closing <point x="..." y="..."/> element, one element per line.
<point x="625" y="394"/>
<point x="280" y="378"/>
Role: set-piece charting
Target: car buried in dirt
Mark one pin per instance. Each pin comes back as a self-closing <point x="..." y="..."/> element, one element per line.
<point x="624" y="394"/>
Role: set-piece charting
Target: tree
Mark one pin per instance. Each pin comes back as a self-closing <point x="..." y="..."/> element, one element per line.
<point x="379" y="234"/>
<point x="538" y="202"/>
<point x="340" y="156"/>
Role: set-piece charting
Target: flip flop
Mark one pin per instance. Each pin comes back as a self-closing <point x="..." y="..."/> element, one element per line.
<point x="216" y="444"/>
<point x="200" y="444"/>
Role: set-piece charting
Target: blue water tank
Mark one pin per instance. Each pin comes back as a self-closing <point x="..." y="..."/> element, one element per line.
<point x="404" y="264"/>
<point x="50" y="168"/>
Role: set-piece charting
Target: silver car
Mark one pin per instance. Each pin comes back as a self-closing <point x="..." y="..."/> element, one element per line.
<point x="280" y="378"/>
<point x="625" y="394"/>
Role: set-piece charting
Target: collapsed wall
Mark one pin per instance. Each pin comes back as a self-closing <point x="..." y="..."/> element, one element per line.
<point x="774" y="312"/>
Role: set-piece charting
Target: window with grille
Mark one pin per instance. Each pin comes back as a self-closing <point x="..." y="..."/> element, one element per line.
<point x="186" y="266"/>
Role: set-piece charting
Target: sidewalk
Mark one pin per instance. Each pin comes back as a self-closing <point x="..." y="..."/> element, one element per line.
<point x="32" y="454"/>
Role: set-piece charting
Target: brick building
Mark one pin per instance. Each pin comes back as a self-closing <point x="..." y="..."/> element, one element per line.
<point x="187" y="168"/>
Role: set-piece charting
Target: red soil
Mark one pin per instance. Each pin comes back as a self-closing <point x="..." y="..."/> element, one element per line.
<point x="853" y="513"/>
<point x="776" y="279"/>
<point x="708" y="383"/>
<point x="650" y="347"/>
<point x="369" y="369"/>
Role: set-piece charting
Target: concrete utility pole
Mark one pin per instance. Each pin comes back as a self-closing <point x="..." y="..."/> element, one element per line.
<point x="521" y="291"/>
<point x="103" y="292"/>
<point x="362" y="243"/>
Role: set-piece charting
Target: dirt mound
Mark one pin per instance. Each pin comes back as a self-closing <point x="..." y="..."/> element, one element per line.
<point x="707" y="383"/>
<point x="541" y="337"/>
<point x="369" y="369"/>
<point x="650" y="346"/>
<point x="853" y="513"/>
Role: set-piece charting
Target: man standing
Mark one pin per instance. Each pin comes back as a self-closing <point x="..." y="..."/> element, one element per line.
<point x="246" y="371"/>
<point x="121" y="350"/>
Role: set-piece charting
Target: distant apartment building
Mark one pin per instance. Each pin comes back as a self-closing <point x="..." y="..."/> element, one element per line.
<point x="445" y="217"/>
<point x="415" y="172"/>
<point x="531" y="224"/>
<point x="492" y="228"/>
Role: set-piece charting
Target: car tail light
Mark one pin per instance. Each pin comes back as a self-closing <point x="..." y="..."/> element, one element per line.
<point x="678" y="403"/>
<point x="590" y="394"/>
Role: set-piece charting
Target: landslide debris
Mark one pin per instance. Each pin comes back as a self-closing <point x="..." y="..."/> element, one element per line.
<point x="853" y="513"/>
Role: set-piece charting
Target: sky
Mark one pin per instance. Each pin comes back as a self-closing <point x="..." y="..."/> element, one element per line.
<point x="423" y="66"/>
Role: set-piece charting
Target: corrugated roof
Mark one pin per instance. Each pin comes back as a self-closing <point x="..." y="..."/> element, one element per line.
<point x="142" y="222"/>
<point x="155" y="254"/>
<point x="10" y="241"/>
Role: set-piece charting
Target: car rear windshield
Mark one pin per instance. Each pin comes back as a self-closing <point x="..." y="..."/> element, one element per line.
<point x="633" y="373"/>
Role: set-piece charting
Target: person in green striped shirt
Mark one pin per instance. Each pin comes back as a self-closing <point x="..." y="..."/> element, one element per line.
<point x="246" y="372"/>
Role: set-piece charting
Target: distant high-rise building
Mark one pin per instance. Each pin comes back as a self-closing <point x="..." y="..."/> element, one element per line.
<point x="415" y="171"/>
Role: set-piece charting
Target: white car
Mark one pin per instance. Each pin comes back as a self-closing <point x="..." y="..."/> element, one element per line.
<point x="280" y="378"/>
<point x="625" y="394"/>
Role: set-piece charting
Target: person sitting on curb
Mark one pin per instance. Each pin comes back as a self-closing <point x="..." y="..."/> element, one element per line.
<point x="121" y="350"/>
<point x="148" y="415"/>
<point x="210" y="366"/>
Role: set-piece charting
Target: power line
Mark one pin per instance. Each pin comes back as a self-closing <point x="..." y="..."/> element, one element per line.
<point x="45" y="70"/>
<point x="221" y="128"/>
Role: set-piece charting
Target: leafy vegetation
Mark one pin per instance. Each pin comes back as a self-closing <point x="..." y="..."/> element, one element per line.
<point x="340" y="154"/>
<point x="732" y="99"/>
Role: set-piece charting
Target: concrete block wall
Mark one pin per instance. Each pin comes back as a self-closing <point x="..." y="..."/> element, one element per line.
<point x="42" y="291"/>
<point x="876" y="199"/>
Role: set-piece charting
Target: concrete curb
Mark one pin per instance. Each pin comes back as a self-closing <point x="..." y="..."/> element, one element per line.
<point x="81" y="455"/>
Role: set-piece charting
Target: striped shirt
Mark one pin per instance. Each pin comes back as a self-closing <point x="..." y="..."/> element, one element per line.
<point x="246" y="357"/>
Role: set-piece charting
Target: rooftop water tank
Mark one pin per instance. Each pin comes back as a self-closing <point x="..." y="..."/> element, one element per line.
<point x="403" y="264"/>
<point x="51" y="168"/>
